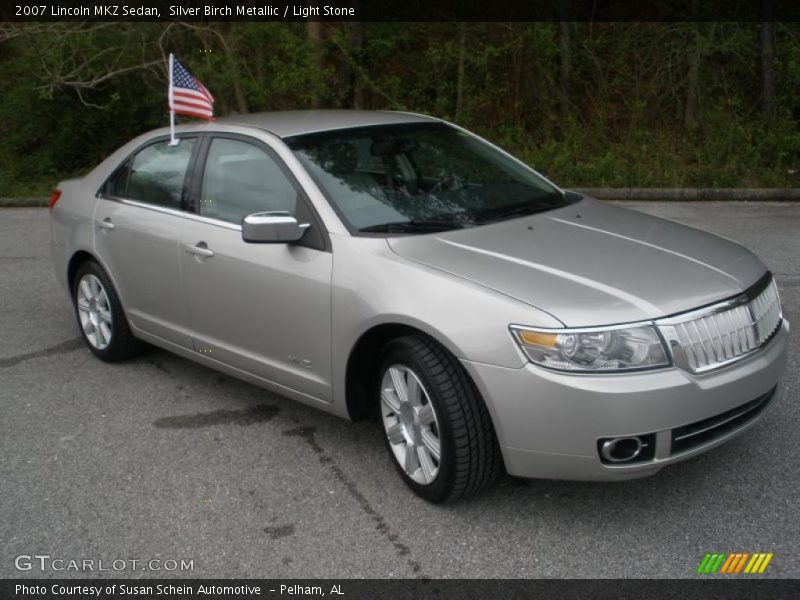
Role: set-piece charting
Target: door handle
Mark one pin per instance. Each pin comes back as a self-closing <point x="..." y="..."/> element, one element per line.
<point x="200" y="249"/>
<point x="106" y="224"/>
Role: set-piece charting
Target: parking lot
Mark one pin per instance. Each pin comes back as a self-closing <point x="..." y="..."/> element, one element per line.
<point x="160" y="458"/>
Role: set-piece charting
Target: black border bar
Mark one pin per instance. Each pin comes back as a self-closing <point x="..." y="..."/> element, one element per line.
<point x="744" y="587"/>
<point x="401" y="10"/>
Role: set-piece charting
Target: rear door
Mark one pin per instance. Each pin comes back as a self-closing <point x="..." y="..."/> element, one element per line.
<point x="262" y="308"/>
<point x="137" y="229"/>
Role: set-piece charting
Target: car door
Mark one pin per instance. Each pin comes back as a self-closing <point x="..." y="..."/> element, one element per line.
<point x="137" y="229"/>
<point x="262" y="308"/>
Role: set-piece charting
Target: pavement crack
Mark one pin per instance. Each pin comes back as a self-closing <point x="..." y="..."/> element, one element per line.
<point x="306" y="433"/>
<point x="62" y="348"/>
<point x="260" y="413"/>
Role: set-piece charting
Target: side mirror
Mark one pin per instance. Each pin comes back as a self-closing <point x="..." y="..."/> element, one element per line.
<point x="272" y="228"/>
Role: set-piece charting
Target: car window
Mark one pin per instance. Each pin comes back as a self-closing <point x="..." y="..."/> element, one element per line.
<point x="241" y="179"/>
<point x="420" y="176"/>
<point x="158" y="173"/>
<point x="117" y="183"/>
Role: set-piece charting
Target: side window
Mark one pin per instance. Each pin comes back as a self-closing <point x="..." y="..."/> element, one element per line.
<point x="158" y="172"/>
<point x="241" y="179"/>
<point x="118" y="182"/>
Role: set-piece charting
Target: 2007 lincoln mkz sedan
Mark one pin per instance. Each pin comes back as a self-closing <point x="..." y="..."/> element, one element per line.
<point x="391" y="265"/>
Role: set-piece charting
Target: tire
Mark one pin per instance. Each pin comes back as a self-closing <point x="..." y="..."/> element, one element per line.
<point x="101" y="320"/>
<point x="469" y="459"/>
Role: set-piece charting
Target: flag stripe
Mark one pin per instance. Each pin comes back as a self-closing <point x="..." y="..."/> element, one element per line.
<point x="187" y="98"/>
<point x="189" y="94"/>
<point x="191" y="104"/>
<point x="204" y="91"/>
<point x="193" y="109"/>
<point x="190" y="113"/>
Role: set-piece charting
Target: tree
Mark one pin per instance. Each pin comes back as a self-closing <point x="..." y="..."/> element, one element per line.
<point x="565" y="63"/>
<point x="462" y="43"/>
<point x="314" y="29"/>
<point x="768" y="59"/>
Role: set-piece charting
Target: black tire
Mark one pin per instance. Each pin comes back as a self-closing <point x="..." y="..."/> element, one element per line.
<point x="123" y="344"/>
<point x="470" y="455"/>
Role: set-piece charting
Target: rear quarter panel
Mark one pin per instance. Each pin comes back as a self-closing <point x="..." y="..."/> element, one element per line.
<point x="71" y="226"/>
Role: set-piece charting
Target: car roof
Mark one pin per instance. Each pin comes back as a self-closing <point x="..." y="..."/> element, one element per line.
<point x="297" y="122"/>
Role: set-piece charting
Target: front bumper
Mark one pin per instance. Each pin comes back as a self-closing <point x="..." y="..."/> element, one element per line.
<point x="549" y="423"/>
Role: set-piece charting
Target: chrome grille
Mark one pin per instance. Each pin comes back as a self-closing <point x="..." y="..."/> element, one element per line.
<point x="717" y="335"/>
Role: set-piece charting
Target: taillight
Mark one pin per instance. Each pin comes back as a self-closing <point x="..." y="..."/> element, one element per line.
<point x="53" y="199"/>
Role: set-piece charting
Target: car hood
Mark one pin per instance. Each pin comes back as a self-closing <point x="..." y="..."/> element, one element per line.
<point x="591" y="263"/>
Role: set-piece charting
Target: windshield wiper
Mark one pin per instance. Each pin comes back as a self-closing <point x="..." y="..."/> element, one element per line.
<point x="422" y="226"/>
<point x="505" y="212"/>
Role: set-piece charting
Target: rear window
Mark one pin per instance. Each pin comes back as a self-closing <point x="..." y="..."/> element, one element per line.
<point x="156" y="174"/>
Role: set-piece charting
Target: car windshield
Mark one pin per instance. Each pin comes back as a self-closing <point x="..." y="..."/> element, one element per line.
<point x="421" y="177"/>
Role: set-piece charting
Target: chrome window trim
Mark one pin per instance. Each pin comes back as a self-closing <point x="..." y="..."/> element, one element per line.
<point x="155" y="207"/>
<point x="140" y="204"/>
<point x="171" y="211"/>
<point x="212" y="221"/>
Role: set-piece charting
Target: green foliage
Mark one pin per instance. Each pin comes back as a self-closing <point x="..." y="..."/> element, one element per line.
<point x="634" y="115"/>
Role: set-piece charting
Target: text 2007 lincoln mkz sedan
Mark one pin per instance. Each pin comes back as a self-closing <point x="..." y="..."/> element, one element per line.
<point x="390" y="265"/>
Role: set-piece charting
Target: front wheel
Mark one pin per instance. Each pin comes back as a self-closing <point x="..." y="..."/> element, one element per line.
<point x="438" y="430"/>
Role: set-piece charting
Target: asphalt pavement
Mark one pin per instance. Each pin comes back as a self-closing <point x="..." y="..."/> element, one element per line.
<point x="160" y="458"/>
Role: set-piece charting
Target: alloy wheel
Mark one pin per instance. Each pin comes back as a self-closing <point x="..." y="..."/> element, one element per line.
<point x="411" y="424"/>
<point x="94" y="311"/>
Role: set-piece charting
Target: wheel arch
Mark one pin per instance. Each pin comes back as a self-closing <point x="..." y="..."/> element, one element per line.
<point x="75" y="261"/>
<point x="81" y="256"/>
<point x="362" y="362"/>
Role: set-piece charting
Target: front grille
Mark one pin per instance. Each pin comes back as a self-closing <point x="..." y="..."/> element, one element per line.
<point x="699" y="433"/>
<point x="717" y="335"/>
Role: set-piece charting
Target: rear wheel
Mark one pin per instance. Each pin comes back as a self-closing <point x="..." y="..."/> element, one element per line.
<point x="438" y="430"/>
<point x="100" y="316"/>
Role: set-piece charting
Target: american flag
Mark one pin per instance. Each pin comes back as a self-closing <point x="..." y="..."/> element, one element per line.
<point x="187" y="96"/>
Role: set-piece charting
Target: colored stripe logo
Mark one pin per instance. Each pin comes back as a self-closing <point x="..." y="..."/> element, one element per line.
<point x="734" y="563"/>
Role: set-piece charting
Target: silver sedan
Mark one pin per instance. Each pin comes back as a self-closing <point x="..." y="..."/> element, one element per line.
<point x="397" y="267"/>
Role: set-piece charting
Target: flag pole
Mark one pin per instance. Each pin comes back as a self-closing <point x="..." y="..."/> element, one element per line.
<point x="172" y="140"/>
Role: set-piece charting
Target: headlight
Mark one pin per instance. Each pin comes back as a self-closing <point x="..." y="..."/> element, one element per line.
<point x="595" y="349"/>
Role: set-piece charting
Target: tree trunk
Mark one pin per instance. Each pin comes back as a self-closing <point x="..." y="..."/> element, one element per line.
<point x="693" y="82"/>
<point x="241" y="99"/>
<point x="767" y="59"/>
<point x="356" y="35"/>
<point x="314" y="30"/>
<point x="565" y="47"/>
<point x="462" y="43"/>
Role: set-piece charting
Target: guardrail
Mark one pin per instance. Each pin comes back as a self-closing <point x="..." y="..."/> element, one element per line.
<point x="631" y="194"/>
<point x="694" y="194"/>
